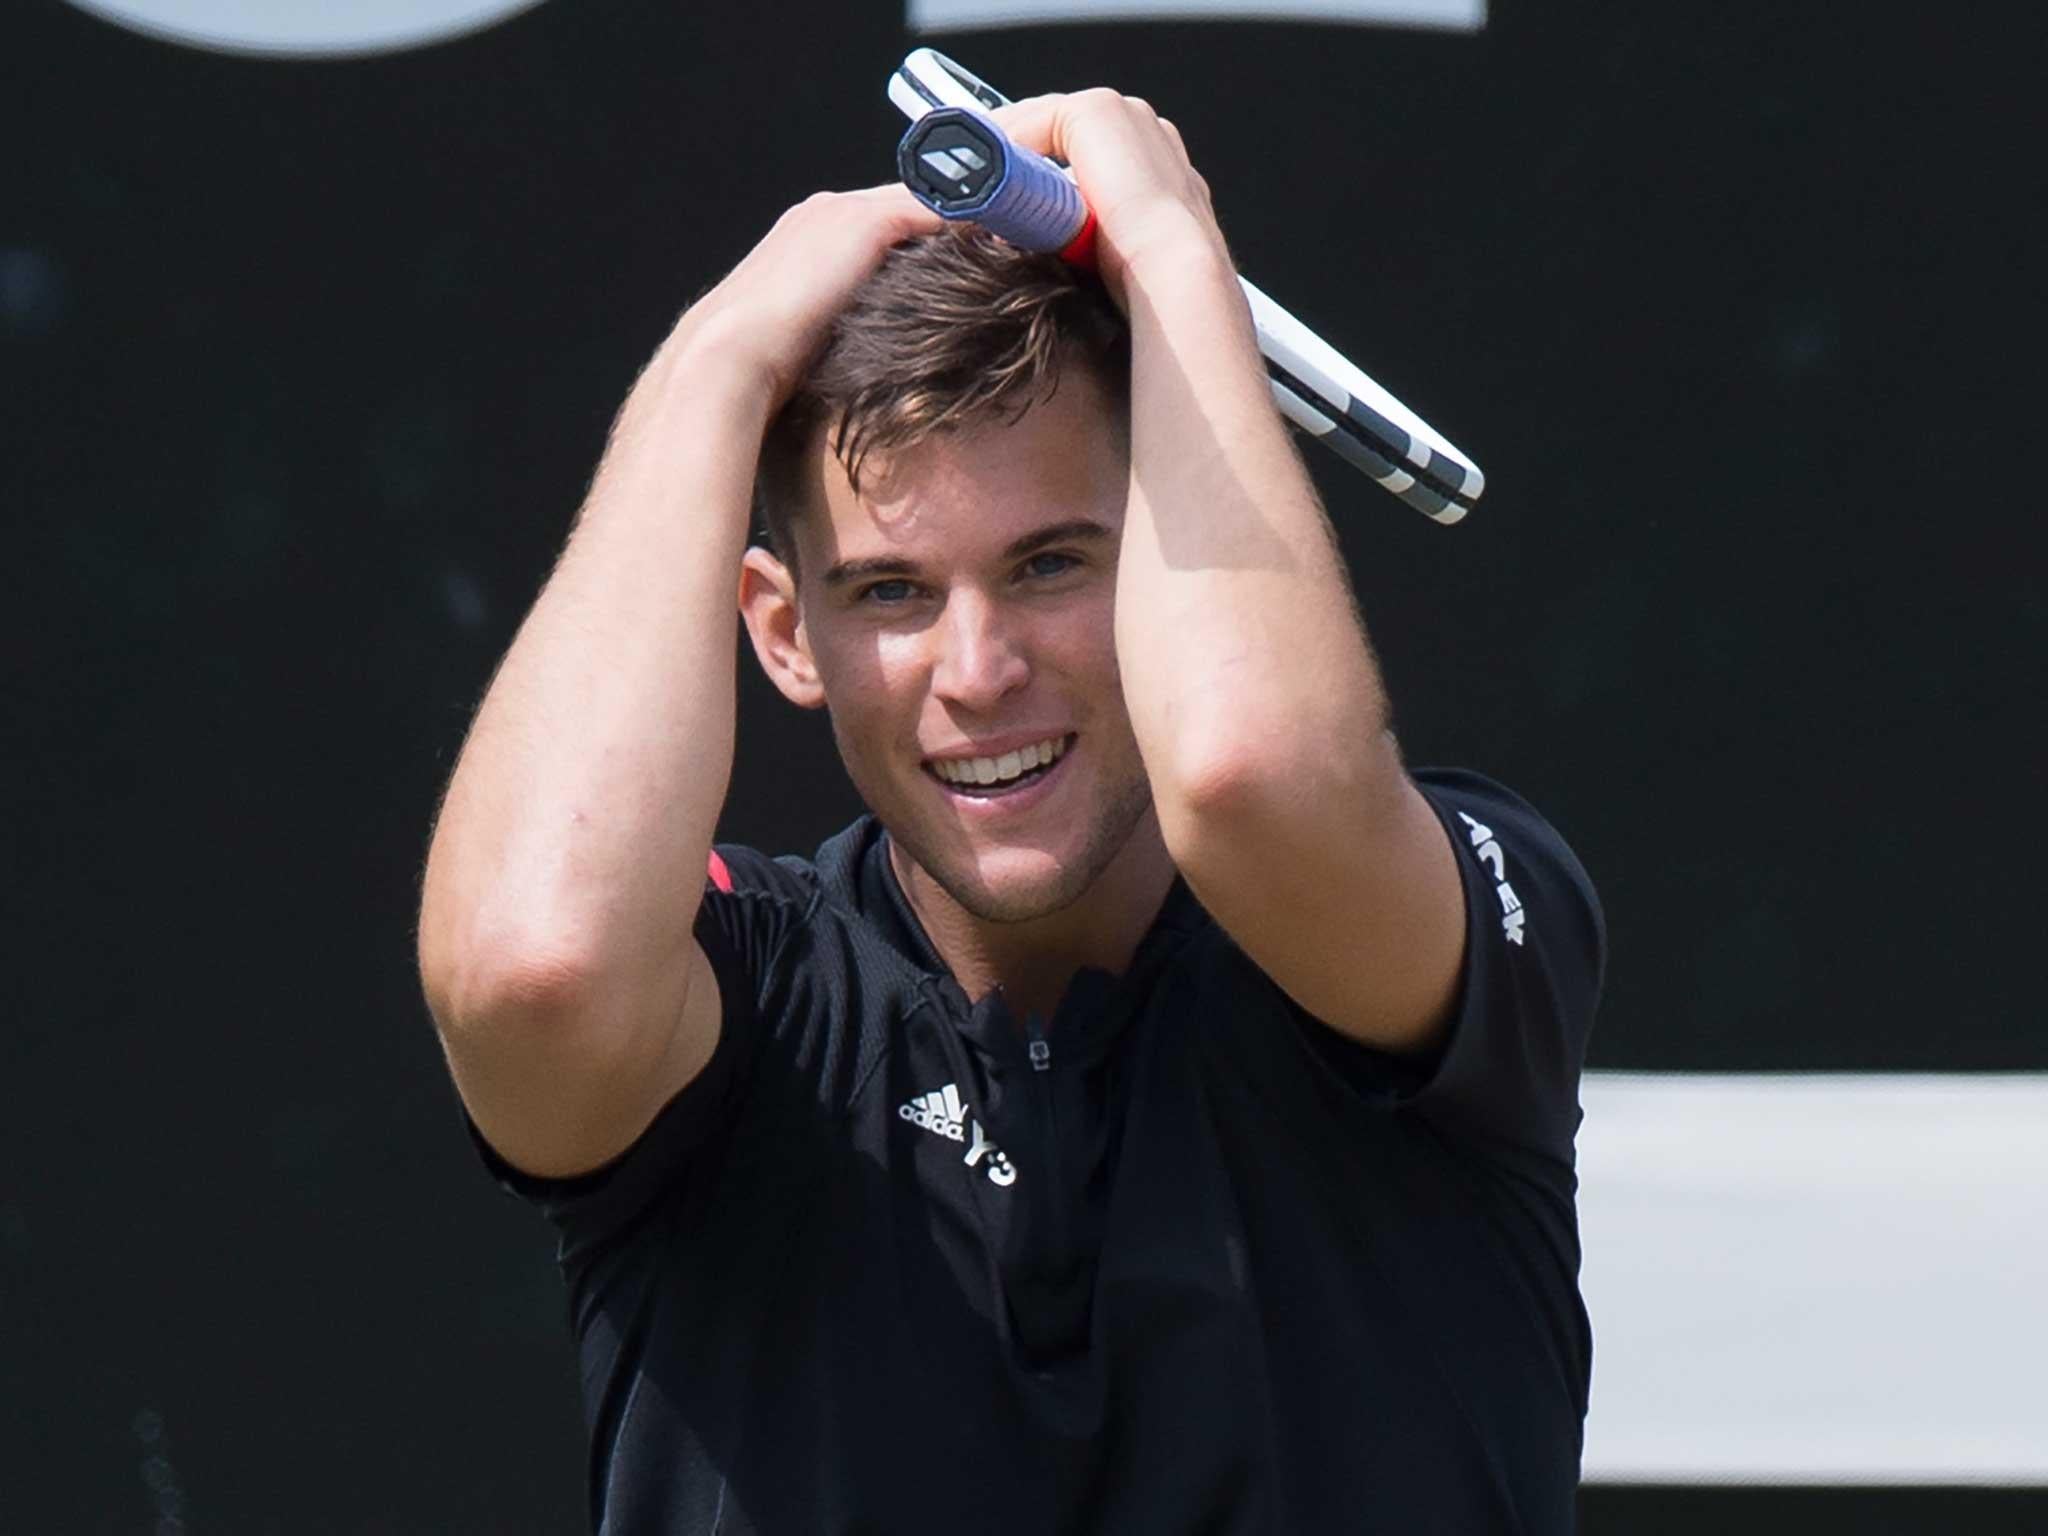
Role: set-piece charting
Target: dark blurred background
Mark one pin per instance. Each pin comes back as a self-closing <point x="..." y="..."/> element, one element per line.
<point x="306" y="366"/>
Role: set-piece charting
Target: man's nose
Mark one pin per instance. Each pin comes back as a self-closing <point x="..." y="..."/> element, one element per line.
<point x="981" y="654"/>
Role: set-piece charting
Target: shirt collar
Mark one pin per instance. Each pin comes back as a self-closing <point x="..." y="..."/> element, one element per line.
<point x="857" y="861"/>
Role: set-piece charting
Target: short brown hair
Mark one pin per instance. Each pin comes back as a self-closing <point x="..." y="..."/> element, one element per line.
<point x="954" y="329"/>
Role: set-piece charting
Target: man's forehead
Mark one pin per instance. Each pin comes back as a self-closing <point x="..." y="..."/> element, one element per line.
<point x="969" y="493"/>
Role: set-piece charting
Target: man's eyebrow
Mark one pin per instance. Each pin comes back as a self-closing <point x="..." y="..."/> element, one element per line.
<point x="874" y="565"/>
<point x="1079" y="528"/>
<point x="1059" y="533"/>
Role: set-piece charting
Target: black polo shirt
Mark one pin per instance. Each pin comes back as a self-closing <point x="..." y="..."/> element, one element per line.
<point x="1183" y="1261"/>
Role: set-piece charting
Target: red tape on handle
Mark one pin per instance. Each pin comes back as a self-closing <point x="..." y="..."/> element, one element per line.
<point x="1080" y="251"/>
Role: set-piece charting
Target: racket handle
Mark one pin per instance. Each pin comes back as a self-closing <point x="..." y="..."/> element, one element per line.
<point x="963" y="167"/>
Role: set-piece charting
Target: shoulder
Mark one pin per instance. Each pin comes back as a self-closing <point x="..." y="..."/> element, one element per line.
<point x="747" y="874"/>
<point x="813" y="960"/>
<point x="752" y="906"/>
<point x="833" y="879"/>
<point x="1518" y="868"/>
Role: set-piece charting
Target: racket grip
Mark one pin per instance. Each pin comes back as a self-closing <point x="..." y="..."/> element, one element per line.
<point x="963" y="167"/>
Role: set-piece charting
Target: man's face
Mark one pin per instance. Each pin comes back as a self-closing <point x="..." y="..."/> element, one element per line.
<point x="960" y="614"/>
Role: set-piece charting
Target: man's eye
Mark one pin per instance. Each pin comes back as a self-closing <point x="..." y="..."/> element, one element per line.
<point x="894" y="590"/>
<point x="1051" y="563"/>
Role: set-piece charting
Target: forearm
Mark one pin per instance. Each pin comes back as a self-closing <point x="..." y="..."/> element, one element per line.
<point x="1244" y="664"/>
<point x="574" y="833"/>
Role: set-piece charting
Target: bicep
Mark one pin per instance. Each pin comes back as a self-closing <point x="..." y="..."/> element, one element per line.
<point x="561" y="1079"/>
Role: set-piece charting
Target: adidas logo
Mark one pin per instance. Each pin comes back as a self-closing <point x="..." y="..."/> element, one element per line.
<point x="943" y="1114"/>
<point x="940" y="1111"/>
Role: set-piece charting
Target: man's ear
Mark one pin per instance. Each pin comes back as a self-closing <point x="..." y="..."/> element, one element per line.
<point x="775" y="625"/>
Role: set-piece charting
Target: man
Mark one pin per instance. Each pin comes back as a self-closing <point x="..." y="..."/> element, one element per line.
<point x="1158" y="1114"/>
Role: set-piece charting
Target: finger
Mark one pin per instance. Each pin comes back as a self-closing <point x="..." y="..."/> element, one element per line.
<point x="892" y="204"/>
<point x="1035" y="122"/>
<point x="1046" y="123"/>
<point x="882" y="192"/>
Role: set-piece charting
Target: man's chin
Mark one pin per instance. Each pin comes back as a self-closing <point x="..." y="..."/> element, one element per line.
<point x="1012" y="888"/>
<point x="997" y="883"/>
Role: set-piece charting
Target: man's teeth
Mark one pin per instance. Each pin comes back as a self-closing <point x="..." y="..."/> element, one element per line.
<point x="999" y="770"/>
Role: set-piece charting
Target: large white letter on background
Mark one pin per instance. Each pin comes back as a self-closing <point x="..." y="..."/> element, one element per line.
<point x="965" y="15"/>
<point x="304" y="28"/>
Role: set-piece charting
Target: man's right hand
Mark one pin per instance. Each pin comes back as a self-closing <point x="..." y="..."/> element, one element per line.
<point x="771" y="313"/>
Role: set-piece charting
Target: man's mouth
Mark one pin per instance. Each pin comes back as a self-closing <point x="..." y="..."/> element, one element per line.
<point x="985" y="778"/>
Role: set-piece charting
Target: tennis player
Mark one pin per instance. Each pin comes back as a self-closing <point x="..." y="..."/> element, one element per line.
<point x="1157" y="1113"/>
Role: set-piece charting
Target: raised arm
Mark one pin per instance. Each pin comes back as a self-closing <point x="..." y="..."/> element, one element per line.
<point x="555" y="925"/>
<point x="1251" y="685"/>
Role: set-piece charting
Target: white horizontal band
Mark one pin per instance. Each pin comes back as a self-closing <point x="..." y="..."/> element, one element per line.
<point x="1821" y="1278"/>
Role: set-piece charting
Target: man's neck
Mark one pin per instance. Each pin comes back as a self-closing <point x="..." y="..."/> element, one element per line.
<point x="1033" y="961"/>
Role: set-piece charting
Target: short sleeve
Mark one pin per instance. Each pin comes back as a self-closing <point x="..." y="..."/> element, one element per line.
<point x="1535" y="958"/>
<point x="749" y="907"/>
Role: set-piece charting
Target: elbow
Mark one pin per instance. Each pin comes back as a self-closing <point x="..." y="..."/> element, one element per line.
<point x="1273" y="788"/>
<point x="1219" y="798"/>
<point x="481" y="986"/>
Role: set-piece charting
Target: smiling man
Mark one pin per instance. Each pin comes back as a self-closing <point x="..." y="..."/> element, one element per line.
<point x="1157" y="1113"/>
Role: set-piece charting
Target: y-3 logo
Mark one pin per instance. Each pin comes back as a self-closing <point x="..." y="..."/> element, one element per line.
<point x="943" y="1114"/>
<point x="1487" y="851"/>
